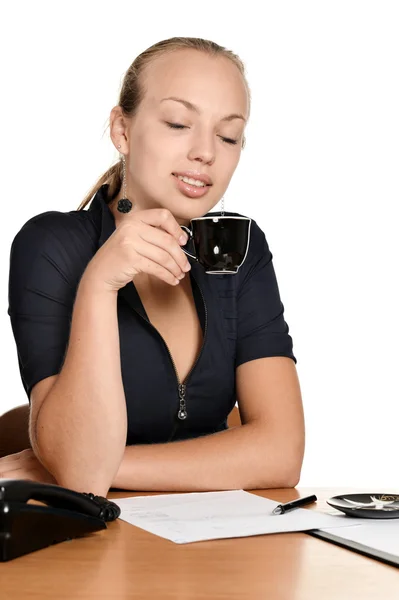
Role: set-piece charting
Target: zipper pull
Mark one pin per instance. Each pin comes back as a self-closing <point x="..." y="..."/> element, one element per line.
<point x="182" y="414"/>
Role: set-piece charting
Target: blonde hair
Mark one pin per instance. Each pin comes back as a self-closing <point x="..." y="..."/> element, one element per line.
<point x="132" y="93"/>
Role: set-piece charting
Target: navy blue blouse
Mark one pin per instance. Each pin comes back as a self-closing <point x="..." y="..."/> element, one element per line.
<point x="241" y="315"/>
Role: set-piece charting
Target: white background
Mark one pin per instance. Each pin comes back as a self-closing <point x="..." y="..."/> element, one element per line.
<point x="319" y="174"/>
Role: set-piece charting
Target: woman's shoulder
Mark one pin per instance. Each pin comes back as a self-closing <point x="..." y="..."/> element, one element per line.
<point x="73" y="229"/>
<point x="51" y="245"/>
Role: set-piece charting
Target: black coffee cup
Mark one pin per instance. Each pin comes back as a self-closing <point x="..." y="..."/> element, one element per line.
<point x="220" y="242"/>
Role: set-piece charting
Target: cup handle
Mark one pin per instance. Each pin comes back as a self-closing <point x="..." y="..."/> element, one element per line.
<point x="190" y="235"/>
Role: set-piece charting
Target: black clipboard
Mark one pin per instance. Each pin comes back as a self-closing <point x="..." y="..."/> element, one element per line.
<point x="385" y="557"/>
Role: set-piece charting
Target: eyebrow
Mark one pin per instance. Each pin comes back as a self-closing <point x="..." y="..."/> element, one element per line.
<point x="195" y="108"/>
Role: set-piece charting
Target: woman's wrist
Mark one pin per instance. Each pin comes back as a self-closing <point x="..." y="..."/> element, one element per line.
<point x="93" y="284"/>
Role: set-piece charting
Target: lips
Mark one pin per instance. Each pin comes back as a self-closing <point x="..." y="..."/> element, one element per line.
<point x="195" y="175"/>
<point x="191" y="191"/>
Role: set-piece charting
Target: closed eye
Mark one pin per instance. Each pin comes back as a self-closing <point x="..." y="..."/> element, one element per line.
<point x="178" y="126"/>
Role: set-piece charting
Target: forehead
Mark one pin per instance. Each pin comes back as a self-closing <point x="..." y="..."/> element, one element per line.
<point x="212" y="83"/>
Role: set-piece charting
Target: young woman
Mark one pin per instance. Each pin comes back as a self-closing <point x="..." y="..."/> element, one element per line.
<point x="116" y="328"/>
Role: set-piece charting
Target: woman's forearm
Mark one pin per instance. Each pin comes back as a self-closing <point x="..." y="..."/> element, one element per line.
<point x="81" y="425"/>
<point x="245" y="457"/>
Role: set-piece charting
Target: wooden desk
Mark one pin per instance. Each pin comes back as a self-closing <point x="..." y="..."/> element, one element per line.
<point x="126" y="562"/>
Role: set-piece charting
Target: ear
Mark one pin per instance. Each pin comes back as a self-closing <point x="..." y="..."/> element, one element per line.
<point x="119" y="130"/>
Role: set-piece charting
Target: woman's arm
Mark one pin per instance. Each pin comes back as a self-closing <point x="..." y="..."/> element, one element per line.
<point x="265" y="452"/>
<point x="78" y="428"/>
<point x="79" y="422"/>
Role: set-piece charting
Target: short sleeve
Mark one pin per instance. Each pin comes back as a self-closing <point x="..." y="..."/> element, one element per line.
<point x="47" y="259"/>
<point x="261" y="327"/>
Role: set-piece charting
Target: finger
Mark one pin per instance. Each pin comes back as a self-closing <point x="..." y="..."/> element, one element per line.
<point x="6" y="460"/>
<point x="153" y="267"/>
<point x="12" y="474"/>
<point x="163" y="218"/>
<point x="166" y="242"/>
<point x="18" y="474"/>
<point x="13" y="467"/>
<point x="11" y="458"/>
<point x="32" y="473"/>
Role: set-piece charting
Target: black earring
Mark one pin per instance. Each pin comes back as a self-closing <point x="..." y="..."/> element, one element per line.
<point x="124" y="204"/>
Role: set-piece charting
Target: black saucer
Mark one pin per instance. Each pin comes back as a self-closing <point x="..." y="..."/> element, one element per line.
<point x="367" y="506"/>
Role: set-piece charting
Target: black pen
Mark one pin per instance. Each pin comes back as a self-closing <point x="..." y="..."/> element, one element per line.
<point x="283" y="508"/>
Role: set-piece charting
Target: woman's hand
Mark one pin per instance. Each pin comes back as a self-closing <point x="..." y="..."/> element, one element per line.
<point x="145" y="241"/>
<point x="24" y="465"/>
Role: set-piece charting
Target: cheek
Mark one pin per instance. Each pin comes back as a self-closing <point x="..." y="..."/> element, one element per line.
<point x="156" y="152"/>
<point x="144" y="155"/>
<point x="228" y="165"/>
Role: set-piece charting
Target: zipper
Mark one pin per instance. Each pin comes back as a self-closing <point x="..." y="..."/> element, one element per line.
<point x="182" y="386"/>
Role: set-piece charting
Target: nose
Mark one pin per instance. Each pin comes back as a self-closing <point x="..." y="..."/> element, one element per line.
<point x="202" y="149"/>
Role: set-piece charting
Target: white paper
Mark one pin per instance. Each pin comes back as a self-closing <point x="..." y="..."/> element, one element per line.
<point x="380" y="534"/>
<point x="199" y="516"/>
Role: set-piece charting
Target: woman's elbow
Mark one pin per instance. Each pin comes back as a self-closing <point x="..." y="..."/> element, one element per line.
<point x="287" y="476"/>
<point x="292" y="479"/>
<point x="292" y="466"/>
<point x="285" y="472"/>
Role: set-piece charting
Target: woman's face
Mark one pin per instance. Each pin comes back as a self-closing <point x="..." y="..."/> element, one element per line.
<point x="210" y="108"/>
